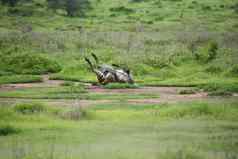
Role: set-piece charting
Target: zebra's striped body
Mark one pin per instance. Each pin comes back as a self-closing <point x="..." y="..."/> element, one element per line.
<point x="109" y="74"/>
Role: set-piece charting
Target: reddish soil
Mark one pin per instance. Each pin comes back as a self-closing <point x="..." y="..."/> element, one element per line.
<point x="166" y="94"/>
<point x="45" y="83"/>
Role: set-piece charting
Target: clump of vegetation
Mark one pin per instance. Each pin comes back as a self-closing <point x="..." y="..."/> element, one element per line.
<point x="214" y="69"/>
<point x="27" y="63"/>
<point x="223" y="111"/>
<point x="121" y="86"/>
<point x="7" y="130"/>
<point x="220" y="93"/>
<point x="19" y="79"/>
<point x="207" y="53"/>
<point x="68" y="83"/>
<point x="223" y="86"/>
<point x="122" y="9"/>
<point x="77" y="113"/>
<point x="72" y="7"/>
<point x="187" y="91"/>
<point x="29" y="108"/>
<point x="234" y="70"/>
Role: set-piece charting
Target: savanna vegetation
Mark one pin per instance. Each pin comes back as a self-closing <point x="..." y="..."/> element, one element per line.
<point x="182" y="43"/>
<point x="192" y="130"/>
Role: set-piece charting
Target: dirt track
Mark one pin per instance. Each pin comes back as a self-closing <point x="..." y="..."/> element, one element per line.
<point x="167" y="94"/>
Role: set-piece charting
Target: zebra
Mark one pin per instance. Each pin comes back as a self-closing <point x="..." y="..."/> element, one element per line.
<point x="109" y="73"/>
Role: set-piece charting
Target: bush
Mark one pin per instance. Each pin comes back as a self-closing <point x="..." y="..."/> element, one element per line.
<point x="220" y="93"/>
<point x="28" y="64"/>
<point x="7" y="130"/>
<point x="74" y="114"/>
<point x="29" y="108"/>
<point x="214" y="69"/>
<point x="187" y="91"/>
<point x="120" y="86"/>
<point x="222" y="86"/>
<point x="207" y="53"/>
<point x="122" y="9"/>
<point x="234" y="70"/>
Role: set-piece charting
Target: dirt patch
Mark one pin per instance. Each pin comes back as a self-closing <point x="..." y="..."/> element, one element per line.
<point x="166" y="94"/>
<point x="45" y="83"/>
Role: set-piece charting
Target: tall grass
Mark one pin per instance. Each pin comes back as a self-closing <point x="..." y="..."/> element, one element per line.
<point x="193" y="130"/>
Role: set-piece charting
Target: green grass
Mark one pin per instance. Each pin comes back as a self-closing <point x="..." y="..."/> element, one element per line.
<point x="212" y="110"/>
<point x="192" y="130"/>
<point x="26" y="63"/>
<point x="163" y="42"/>
<point x="20" y="79"/>
<point x="152" y="42"/>
<point x="71" y="92"/>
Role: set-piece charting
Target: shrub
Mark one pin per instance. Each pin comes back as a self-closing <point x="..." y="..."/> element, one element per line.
<point x="29" y="108"/>
<point x="122" y="9"/>
<point x="234" y="70"/>
<point x="74" y="114"/>
<point x="222" y="86"/>
<point x="28" y="64"/>
<point x="235" y="7"/>
<point x="120" y="86"/>
<point x="220" y="93"/>
<point x="7" y="130"/>
<point x="214" y="69"/>
<point x="187" y="91"/>
<point x="207" y="53"/>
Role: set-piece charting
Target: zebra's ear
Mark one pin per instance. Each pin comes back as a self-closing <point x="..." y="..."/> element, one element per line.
<point x="127" y="71"/>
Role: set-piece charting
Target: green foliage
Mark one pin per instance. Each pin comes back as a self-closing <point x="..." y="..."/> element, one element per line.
<point x="220" y="86"/>
<point x="187" y="91"/>
<point x="77" y="113"/>
<point x="214" y="69"/>
<point x="207" y="53"/>
<point x="122" y="9"/>
<point x="22" y="63"/>
<point x="234" y="70"/>
<point x="7" y="130"/>
<point x="72" y="7"/>
<point x="223" y="111"/>
<point x="29" y="108"/>
<point x="220" y="93"/>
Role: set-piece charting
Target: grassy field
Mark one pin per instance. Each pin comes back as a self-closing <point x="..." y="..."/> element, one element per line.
<point x="71" y="93"/>
<point x="164" y="43"/>
<point x="192" y="130"/>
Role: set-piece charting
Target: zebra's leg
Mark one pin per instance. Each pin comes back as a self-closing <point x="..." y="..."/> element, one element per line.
<point x="109" y="78"/>
<point x="100" y="76"/>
